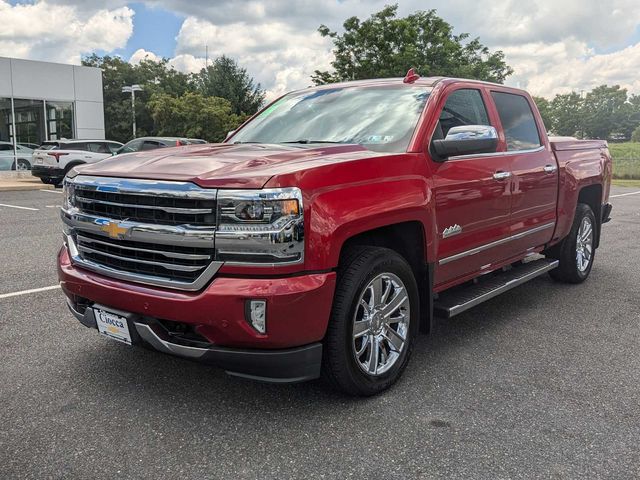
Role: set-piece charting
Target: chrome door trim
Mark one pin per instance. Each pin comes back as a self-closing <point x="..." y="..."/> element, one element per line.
<point x="502" y="241"/>
<point x="498" y="154"/>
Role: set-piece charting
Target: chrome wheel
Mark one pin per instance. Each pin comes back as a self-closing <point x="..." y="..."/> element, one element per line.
<point x="22" y="165"/>
<point x="584" y="244"/>
<point x="381" y="324"/>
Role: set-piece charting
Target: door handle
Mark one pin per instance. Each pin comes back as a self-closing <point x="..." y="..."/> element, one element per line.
<point x="550" y="168"/>
<point x="501" y="175"/>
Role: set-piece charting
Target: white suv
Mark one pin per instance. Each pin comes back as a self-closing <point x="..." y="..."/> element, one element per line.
<point x="53" y="159"/>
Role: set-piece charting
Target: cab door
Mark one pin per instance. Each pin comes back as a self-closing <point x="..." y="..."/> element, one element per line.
<point x="472" y="194"/>
<point x="534" y="173"/>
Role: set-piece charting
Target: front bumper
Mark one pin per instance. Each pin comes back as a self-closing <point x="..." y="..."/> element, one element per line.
<point x="298" y="310"/>
<point x="278" y="366"/>
<point x="42" y="171"/>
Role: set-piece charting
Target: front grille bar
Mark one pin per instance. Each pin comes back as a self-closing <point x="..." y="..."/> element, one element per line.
<point x="168" y="266"/>
<point x="183" y="256"/>
<point x="189" y="211"/>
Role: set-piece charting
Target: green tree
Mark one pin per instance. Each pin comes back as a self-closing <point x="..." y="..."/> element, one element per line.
<point x="635" y="136"/>
<point x="544" y="107"/>
<point x="386" y="46"/>
<point x="154" y="77"/>
<point x="193" y="115"/>
<point x="566" y="115"/>
<point x="226" y="79"/>
<point x="606" y="111"/>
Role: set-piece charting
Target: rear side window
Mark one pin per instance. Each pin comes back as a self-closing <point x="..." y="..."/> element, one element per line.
<point x="517" y="120"/>
<point x="74" y="146"/>
<point x="98" y="147"/>
<point x="151" y="145"/>
<point x="5" y="146"/>
<point x="463" y="107"/>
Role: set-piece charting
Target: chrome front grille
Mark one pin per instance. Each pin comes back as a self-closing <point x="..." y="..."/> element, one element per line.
<point x="152" y="232"/>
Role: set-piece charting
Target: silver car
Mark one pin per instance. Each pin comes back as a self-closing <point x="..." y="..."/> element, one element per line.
<point x="20" y="161"/>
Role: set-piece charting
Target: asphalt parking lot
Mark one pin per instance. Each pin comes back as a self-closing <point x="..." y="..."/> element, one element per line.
<point x="542" y="382"/>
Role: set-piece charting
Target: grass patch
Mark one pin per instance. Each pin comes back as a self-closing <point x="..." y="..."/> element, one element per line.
<point x="625" y="183"/>
<point x="626" y="160"/>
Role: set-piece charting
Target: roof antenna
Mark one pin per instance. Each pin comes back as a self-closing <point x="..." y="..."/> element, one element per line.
<point x="411" y="76"/>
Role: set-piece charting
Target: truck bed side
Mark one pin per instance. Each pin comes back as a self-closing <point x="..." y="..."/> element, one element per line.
<point x="584" y="176"/>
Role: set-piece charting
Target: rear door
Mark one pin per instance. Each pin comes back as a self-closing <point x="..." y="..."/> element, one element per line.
<point x="534" y="173"/>
<point x="472" y="194"/>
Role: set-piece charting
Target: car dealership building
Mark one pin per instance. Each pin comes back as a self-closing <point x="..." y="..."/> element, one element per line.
<point x="47" y="101"/>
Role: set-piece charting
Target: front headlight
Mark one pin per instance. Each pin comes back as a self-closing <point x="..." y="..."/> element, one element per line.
<point x="68" y="195"/>
<point x="260" y="227"/>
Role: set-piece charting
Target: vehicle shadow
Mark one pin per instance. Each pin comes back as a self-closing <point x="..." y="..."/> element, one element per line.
<point x="149" y="378"/>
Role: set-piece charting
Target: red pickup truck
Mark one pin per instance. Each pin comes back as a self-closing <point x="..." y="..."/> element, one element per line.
<point x="331" y="228"/>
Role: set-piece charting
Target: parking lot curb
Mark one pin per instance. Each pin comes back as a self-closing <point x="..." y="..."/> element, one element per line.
<point x="17" y="185"/>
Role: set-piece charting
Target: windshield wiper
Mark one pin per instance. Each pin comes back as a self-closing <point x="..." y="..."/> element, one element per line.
<point x="306" y="141"/>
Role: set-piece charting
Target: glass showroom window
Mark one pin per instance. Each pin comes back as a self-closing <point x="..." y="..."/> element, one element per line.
<point x="7" y="154"/>
<point x="29" y="121"/>
<point x="59" y="119"/>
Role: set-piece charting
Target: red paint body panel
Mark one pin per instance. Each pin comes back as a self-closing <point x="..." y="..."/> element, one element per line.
<point x="348" y="190"/>
<point x="297" y="307"/>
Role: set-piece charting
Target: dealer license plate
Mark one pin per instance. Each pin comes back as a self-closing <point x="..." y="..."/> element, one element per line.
<point x="113" y="325"/>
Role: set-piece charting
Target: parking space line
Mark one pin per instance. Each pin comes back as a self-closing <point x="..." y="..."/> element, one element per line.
<point x="624" y="194"/>
<point x="51" y="191"/>
<point x="16" y="206"/>
<point x="27" y="292"/>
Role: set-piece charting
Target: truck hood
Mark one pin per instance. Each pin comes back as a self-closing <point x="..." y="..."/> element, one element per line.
<point x="224" y="165"/>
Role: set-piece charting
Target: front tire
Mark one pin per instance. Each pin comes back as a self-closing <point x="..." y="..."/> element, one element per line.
<point x="374" y="321"/>
<point x="577" y="251"/>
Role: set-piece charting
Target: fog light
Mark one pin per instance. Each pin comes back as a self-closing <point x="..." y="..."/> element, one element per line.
<point x="256" y="314"/>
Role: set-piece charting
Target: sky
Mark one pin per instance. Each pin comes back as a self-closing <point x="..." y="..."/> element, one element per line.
<point x="554" y="46"/>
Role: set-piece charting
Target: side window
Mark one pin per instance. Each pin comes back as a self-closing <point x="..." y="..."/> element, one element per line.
<point x="98" y="147"/>
<point x="150" y="145"/>
<point x="76" y="146"/>
<point x="133" y="146"/>
<point x="463" y="107"/>
<point x="113" y="147"/>
<point x="517" y="121"/>
<point x="6" y="146"/>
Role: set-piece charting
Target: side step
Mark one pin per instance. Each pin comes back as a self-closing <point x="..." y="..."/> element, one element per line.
<point x="459" y="299"/>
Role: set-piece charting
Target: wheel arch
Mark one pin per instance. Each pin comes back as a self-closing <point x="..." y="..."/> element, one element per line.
<point x="408" y="239"/>
<point x="592" y="195"/>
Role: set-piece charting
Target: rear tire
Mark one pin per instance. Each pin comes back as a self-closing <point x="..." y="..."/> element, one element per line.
<point x="21" y="164"/>
<point x="374" y="321"/>
<point x="577" y="251"/>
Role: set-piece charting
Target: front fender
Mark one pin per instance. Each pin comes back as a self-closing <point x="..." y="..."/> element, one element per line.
<point x="340" y="213"/>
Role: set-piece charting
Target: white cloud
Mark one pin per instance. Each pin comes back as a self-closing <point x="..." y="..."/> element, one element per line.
<point x="142" y="54"/>
<point x="552" y="45"/>
<point x="277" y="55"/>
<point x="571" y="66"/>
<point x="43" y="31"/>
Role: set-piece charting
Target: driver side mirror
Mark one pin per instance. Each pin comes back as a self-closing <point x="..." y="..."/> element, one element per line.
<point x="467" y="140"/>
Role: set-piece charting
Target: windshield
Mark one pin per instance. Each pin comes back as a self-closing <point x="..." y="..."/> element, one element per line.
<point x="381" y="118"/>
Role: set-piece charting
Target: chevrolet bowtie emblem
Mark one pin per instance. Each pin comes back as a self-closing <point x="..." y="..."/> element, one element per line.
<point x="114" y="229"/>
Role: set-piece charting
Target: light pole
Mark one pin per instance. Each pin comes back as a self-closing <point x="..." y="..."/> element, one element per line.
<point x="133" y="89"/>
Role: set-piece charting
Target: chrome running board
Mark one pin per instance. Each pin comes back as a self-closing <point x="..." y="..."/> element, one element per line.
<point x="459" y="299"/>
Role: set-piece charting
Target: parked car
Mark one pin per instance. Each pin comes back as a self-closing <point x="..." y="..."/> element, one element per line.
<point x="332" y="228"/>
<point x="151" y="143"/>
<point x="53" y="159"/>
<point x="20" y="160"/>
